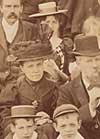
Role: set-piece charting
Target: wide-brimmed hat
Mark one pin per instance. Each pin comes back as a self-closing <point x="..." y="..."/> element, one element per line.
<point x="48" y="8"/>
<point x="86" y="46"/>
<point x="64" y="109"/>
<point x="23" y="111"/>
<point x="31" y="50"/>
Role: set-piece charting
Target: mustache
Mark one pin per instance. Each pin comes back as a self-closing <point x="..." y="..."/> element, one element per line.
<point x="12" y="14"/>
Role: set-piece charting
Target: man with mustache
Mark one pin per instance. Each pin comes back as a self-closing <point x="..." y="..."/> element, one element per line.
<point x="12" y="28"/>
<point x="84" y="91"/>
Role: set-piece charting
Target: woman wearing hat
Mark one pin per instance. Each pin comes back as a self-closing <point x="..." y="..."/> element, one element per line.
<point x="49" y="14"/>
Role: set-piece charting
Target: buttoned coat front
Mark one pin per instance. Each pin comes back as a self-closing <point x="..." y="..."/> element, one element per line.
<point x="44" y="92"/>
<point x="26" y="31"/>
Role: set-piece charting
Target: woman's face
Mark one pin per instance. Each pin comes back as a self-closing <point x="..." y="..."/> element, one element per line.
<point x="53" y="23"/>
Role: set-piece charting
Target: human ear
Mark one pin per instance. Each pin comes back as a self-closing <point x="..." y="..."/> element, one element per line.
<point x="12" y="127"/>
<point x="55" y="126"/>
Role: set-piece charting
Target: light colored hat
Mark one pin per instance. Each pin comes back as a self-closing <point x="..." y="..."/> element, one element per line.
<point x="48" y="8"/>
<point x="23" y="111"/>
<point x="63" y="109"/>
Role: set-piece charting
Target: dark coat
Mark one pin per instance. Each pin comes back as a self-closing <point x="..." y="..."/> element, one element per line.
<point x="44" y="92"/>
<point x="49" y="130"/>
<point x="40" y="136"/>
<point x="26" y="32"/>
<point x="82" y="10"/>
<point x="76" y="94"/>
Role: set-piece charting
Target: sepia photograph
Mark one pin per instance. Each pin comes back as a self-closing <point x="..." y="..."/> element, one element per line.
<point x="49" y="69"/>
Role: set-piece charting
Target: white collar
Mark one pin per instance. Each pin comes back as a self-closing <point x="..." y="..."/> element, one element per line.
<point x="55" y="41"/>
<point x="10" y="30"/>
<point x="34" y="136"/>
<point x="78" y="136"/>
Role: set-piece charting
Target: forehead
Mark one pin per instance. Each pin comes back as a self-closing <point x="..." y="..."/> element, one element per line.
<point x="34" y="62"/>
<point x="70" y="117"/>
<point x="88" y="58"/>
<point x="51" y="18"/>
<point x="7" y="2"/>
<point x="23" y="121"/>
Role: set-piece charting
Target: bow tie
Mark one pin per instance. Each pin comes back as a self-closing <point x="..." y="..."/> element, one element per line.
<point x="91" y="86"/>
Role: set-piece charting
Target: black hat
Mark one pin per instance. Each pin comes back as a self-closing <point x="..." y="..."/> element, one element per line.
<point x="86" y="46"/>
<point x="28" y="50"/>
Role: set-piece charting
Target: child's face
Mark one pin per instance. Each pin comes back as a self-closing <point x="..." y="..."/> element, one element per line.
<point x="68" y="125"/>
<point x="33" y="70"/>
<point x="23" y="128"/>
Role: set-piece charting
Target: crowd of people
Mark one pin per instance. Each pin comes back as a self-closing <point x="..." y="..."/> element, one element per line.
<point x="49" y="69"/>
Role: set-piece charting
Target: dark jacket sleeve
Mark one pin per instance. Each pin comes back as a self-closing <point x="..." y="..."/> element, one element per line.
<point x="66" y="97"/>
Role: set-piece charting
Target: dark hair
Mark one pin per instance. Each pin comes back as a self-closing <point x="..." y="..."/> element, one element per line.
<point x="61" y="19"/>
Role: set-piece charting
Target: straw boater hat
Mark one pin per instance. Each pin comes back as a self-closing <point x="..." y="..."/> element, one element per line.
<point x="23" y="111"/>
<point x="48" y="8"/>
<point x="86" y="46"/>
<point x="64" y="109"/>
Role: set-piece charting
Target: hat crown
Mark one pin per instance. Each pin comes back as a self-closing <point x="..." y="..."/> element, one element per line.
<point x="86" y="45"/>
<point x="64" y="109"/>
<point x="22" y="111"/>
<point x="31" y="50"/>
<point x="47" y="7"/>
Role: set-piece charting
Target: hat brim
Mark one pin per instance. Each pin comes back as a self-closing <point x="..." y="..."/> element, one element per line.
<point x="65" y="112"/>
<point x="87" y="53"/>
<point x="48" y="13"/>
<point x="23" y="116"/>
<point x="36" y="58"/>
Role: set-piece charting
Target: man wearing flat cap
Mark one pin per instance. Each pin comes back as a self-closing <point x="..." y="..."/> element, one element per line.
<point x="23" y="123"/>
<point x="84" y="91"/>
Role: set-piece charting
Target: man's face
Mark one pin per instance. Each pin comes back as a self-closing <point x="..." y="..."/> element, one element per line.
<point x="33" y="70"/>
<point x="11" y="10"/>
<point x="23" y="128"/>
<point x="90" y="67"/>
<point x="68" y="125"/>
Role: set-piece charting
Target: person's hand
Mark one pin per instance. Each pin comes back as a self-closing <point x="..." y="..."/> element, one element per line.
<point x="51" y="68"/>
<point x="45" y="32"/>
<point x="94" y="98"/>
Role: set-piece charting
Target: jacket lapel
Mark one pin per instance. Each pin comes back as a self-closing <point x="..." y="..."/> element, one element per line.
<point x="80" y="91"/>
<point x="3" y="42"/>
